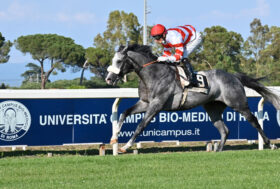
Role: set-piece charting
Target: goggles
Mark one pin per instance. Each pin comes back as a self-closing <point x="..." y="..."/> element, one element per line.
<point x="157" y="37"/>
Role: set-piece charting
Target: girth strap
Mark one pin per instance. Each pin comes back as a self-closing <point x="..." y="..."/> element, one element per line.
<point x="184" y="97"/>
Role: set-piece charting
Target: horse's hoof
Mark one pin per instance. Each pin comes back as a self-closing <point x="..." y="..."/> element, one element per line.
<point x="273" y="147"/>
<point x="114" y="141"/>
<point x="122" y="151"/>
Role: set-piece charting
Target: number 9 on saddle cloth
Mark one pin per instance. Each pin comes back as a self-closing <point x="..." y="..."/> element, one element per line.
<point x="185" y="74"/>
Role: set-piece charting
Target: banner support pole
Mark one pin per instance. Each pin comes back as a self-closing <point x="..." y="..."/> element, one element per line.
<point x="115" y="128"/>
<point x="260" y="119"/>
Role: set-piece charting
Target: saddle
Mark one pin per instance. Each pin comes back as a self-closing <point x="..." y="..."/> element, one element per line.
<point x="202" y="86"/>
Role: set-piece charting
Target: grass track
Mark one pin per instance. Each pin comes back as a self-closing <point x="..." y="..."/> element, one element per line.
<point x="229" y="169"/>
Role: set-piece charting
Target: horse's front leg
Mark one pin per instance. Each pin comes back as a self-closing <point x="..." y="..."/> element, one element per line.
<point x="153" y="109"/>
<point x="139" y="107"/>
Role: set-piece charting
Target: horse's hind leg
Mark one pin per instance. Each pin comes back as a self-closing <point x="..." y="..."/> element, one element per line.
<point x="254" y="122"/>
<point x="215" y="110"/>
<point x="239" y="103"/>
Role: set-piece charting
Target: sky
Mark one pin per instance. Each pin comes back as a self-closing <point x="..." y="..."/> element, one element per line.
<point x="82" y="20"/>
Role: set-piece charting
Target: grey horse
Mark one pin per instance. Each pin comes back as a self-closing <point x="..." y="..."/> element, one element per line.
<point x="159" y="89"/>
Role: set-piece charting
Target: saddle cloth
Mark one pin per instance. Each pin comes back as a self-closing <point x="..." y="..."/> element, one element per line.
<point x="201" y="78"/>
<point x="201" y="88"/>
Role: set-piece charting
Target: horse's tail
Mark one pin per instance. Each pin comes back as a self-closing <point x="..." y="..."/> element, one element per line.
<point x="266" y="93"/>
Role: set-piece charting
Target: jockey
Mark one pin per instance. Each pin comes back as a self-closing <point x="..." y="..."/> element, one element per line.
<point x="184" y="39"/>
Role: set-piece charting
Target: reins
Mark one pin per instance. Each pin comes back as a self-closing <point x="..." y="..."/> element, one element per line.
<point x="145" y="65"/>
<point x="149" y="63"/>
<point x="172" y="64"/>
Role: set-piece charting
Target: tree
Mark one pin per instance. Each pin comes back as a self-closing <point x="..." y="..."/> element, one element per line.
<point x="3" y="86"/>
<point x="121" y="28"/>
<point x="32" y="74"/>
<point x="59" y="51"/>
<point x="270" y="56"/>
<point x="273" y="49"/>
<point x="5" y="47"/>
<point x="85" y="66"/>
<point x="221" y="49"/>
<point x="98" y="59"/>
<point x="253" y="47"/>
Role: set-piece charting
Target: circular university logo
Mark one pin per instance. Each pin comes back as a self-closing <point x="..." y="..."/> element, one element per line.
<point x="15" y="120"/>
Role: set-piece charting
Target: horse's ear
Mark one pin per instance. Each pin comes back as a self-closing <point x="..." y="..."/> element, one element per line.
<point x="124" y="51"/>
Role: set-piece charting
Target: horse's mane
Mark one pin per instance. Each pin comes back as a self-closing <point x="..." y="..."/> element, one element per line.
<point x="142" y="49"/>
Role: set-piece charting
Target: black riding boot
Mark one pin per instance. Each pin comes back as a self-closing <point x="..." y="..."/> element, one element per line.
<point x="189" y="71"/>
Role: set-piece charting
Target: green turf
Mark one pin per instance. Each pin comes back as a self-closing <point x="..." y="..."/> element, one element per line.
<point x="229" y="169"/>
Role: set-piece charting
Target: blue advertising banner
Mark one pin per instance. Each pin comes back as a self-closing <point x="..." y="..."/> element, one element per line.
<point x="40" y="122"/>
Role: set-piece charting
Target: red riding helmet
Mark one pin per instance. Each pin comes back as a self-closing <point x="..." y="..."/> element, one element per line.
<point x="158" y="30"/>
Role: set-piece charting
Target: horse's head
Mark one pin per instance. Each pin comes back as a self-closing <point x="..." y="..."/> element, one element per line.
<point x="120" y="66"/>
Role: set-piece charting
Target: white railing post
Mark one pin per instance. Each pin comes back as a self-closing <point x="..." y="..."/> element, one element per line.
<point x="115" y="128"/>
<point x="260" y="119"/>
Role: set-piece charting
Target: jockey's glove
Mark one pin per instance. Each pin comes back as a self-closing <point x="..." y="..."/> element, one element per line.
<point x="162" y="59"/>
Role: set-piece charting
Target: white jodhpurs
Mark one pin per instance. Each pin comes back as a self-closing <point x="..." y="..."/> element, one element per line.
<point x="193" y="44"/>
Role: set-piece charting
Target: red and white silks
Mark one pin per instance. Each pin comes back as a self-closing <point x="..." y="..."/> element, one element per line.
<point x="184" y="39"/>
